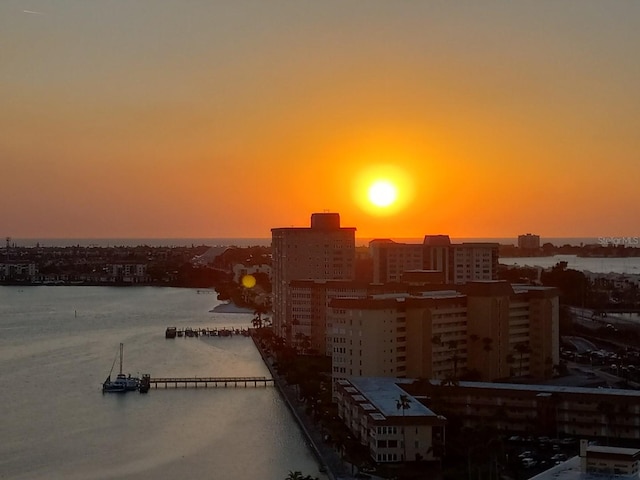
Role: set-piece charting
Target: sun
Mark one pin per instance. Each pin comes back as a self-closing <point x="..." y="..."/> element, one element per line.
<point x="383" y="189"/>
<point x="382" y="193"/>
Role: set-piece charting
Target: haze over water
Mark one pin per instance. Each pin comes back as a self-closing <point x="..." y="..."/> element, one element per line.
<point x="58" y="424"/>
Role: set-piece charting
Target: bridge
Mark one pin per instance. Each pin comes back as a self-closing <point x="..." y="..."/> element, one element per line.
<point x="206" y="382"/>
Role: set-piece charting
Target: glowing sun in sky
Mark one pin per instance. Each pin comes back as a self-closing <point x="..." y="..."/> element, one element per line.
<point x="382" y="193"/>
<point x="383" y="189"/>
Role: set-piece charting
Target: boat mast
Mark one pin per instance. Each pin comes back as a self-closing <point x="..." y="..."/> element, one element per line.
<point x="121" y="353"/>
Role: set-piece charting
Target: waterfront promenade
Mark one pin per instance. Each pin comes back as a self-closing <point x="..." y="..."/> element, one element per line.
<point x="327" y="456"/>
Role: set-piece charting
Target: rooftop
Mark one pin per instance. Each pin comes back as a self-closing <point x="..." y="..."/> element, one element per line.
<point x="383" y="393"/>
<point x="551" y="388"/>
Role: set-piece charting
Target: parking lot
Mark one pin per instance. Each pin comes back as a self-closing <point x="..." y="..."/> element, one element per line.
<point x="530" y="455"/>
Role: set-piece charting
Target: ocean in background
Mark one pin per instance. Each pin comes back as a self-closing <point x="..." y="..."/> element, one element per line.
<point x="247" y="242"/>
<point x="57" y="345"/>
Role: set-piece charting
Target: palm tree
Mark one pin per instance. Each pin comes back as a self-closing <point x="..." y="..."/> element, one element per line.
<point x="403" y="403"/>
<point x="297" y="475"/>
<point x="257" y="316"/>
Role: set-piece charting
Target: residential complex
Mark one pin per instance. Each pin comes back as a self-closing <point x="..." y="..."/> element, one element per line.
<point x="372" y="408"/>
<point x="405" y="343"/>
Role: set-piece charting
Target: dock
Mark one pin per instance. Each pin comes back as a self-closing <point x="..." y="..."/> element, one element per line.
<point x="173" y="332"/>
<point x="206" y="382"/>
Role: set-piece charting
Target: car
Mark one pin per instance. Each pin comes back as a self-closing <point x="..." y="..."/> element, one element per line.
<point x="516" y="438"/>
<point x="527" y="454"/>
<point x="528" y="462"/>
<point x="568" y="441"/>
<point x="559" y="457"/>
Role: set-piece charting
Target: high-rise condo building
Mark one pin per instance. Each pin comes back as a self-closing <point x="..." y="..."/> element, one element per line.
<point x="324" y="251"/>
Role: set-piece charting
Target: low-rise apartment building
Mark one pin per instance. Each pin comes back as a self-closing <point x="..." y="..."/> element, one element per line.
<point x="538" y="409"/>
<point x="389" y="421"/>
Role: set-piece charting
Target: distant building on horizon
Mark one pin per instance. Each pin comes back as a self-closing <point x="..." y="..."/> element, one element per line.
<point x="529" y="241"/>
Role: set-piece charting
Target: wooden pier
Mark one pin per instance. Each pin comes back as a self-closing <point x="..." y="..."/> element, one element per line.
<point x="206" y="382"/>
<point x="173" y="332"/>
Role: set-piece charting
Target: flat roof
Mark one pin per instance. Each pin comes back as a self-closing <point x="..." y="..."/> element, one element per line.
<point x="569" y="470"/>
<point x="612" y="450"/>
<point x="549" y="388"/>
<point x="384" y="393"/>
<point x="572" y="468"/>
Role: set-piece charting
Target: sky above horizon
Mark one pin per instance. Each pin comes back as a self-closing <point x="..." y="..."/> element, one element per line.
<point x="191" y="118"/>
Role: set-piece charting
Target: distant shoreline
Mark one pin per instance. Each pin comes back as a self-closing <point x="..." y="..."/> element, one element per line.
<point x="261" y="241"/>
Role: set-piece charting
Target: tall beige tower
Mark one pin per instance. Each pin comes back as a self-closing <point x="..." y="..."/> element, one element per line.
<point x="324" y="251"/>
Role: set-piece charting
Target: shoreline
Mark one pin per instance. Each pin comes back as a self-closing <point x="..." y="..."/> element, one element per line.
<point x="230" y="307"/>
<point x="327" y="457"/>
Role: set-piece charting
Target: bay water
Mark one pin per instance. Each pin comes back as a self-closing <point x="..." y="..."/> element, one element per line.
<point x="624" y="265"/>
<point x="57" y="346"/>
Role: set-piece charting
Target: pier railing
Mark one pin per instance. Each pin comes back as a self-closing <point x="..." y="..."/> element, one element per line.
<point x="205" y="382"/>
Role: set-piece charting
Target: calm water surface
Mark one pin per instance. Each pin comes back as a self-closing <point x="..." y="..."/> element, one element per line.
<point x="57" y="345"/>
<point x="628" y="265"/>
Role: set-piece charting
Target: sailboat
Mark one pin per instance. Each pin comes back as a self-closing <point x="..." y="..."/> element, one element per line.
<point x="122" y="383"/>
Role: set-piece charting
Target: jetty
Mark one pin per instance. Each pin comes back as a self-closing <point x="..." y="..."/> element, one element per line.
<point x="206" y="382"/>
<point x="187" y="332"/>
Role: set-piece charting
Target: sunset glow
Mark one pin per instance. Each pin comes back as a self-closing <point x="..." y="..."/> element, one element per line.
<point x="227" y="119"/>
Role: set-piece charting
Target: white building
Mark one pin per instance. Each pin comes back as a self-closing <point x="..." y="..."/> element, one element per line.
<point x="18" y="270"/>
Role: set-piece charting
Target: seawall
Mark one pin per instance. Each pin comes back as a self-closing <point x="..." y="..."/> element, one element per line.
<point x="326" y="456"/>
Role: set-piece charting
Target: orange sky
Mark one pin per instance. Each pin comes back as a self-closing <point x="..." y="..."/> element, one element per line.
<point x="163" y="118"/>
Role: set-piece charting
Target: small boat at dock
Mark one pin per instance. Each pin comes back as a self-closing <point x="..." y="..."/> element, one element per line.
<point x="123" y="383"/>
